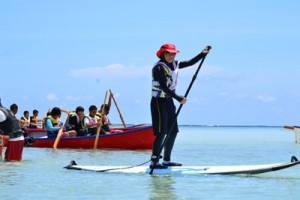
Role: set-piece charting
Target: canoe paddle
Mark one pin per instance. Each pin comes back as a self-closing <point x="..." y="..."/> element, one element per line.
<point x="178" y="111"/>
<point x="112" y="96"/>
<point x="99" y="126"/>
<point x="59" y="134"/>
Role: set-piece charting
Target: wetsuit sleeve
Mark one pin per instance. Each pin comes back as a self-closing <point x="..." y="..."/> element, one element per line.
<point x="3" y="116"/>
<point x="160" y="76"/>
<point x="183" y="64"/>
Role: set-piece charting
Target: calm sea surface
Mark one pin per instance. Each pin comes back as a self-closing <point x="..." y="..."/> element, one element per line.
<point x="41" y="175"/>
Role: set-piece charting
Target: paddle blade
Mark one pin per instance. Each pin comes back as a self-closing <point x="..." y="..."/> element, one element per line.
<point x="57" y="139"/>
<point x="97" y="137"/>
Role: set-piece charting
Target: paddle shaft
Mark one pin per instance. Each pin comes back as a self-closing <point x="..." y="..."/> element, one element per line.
<point x="59" y="134"/>
<point x="179" y="109"/>
<point x="121" y="117"/>
<point x="99" y="127"/>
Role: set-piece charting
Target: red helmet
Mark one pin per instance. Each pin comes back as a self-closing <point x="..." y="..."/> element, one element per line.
<point x="167" y="48"/>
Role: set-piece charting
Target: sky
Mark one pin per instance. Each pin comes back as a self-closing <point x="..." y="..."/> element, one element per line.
<point x="68" y="53"/>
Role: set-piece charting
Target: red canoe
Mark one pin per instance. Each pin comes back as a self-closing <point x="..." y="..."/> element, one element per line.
<point x="140" y="137"/>
<point x="130" y="138"/>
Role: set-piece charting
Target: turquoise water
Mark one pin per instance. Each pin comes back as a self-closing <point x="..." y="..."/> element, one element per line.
<point x="41" y="174"/>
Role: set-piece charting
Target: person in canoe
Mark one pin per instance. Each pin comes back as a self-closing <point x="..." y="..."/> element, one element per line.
<point x="34" y="119"/>
<point x="92" y="121"/>
<point x="163" y="110"/>
<point x="10" y="125"/>
<point x="76" y="122"/>
<point x="25" y="120"/>
<point x="106" y="125"/>
<point x="52" y="124"/>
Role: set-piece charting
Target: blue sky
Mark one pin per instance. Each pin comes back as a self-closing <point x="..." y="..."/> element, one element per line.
<point x="67" y="53"/>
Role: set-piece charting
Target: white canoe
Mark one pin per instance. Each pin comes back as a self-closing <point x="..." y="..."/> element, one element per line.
<point x="222" y="170"/>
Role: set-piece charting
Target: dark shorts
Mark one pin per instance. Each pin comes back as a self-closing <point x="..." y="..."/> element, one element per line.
<point x="52" y="134"/>
<point x="163" y="112"/>
<point x="92" y="131"/>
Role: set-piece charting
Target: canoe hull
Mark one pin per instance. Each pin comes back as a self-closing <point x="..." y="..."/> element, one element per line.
<point x="130" y="138"/>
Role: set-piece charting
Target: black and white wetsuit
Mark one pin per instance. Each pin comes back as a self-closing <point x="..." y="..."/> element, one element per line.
<point x="163" y="110"/>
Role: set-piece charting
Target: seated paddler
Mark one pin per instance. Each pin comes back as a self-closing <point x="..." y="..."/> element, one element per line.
<point x="53" y="126"/>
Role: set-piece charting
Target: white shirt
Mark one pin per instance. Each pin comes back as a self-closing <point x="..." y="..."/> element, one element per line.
<point x="3" y="116"/>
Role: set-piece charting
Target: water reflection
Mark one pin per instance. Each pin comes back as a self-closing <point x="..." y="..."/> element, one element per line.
<point x="10" y="173"/>
<point x="162" y="187"/>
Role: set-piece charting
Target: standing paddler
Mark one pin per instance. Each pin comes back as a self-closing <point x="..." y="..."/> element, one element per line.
<point x="163" y="110"/>
<point x="10" y="125"/>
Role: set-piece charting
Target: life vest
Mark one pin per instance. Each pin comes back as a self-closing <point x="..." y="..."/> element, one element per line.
<point x="11" y="125"/>
<point x="82" y="121"/>
<point x="53" y="121"/>
<point x="105" y="120"/>
<point x="93" y="120"/>
<point x="33" y="119"/>
<point x="171" y="76"/>
<point x="79" y="124"/>
<point x="98" y="114"/>
<point x="26" y="123"/>
<point x="72" y="114"/>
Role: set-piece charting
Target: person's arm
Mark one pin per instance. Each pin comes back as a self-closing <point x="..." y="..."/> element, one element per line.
<point x="3" y="116"/>
<point x="88" y="124"/>
<point x="183" y="64"/>
<point x="33" y="121"/>
<point x="159" y="73"/>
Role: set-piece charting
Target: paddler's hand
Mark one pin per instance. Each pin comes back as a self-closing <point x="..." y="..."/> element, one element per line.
<point x="183" y="101"/>
<point x="206" y="49"/>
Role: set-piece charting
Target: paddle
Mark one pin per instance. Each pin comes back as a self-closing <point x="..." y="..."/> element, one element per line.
<point x="99" y="126"/>
<point x="59" y="134"/>
<point x="178" y="111"/>
<point x="289" y="127"/>
<point x="118" y="109"/>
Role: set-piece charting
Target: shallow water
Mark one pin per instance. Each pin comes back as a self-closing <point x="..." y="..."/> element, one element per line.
<point x="41" y="173"/>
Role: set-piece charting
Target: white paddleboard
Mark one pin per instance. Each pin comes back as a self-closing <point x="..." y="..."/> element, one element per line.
<point x="223" y="170"/>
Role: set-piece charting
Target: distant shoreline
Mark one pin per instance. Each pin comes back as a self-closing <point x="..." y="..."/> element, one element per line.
<point x="229" y="126"/>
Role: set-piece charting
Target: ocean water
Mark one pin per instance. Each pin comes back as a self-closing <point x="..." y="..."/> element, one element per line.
<point x="41" y="175"/>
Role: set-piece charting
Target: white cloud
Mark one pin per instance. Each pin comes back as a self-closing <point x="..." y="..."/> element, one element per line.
<point x="241" y="95"/>
<point x="73" y="98"/>
<point x="198" y="100"/>
<point x="111" y="70"/>
<point x="224" y="94"/>
<point x="236" y="96"/>
<point x="138" y="101"/>
<point x="205" y="70"/>
<point x="266" y="98"/>
<point x="52" y="97"/>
